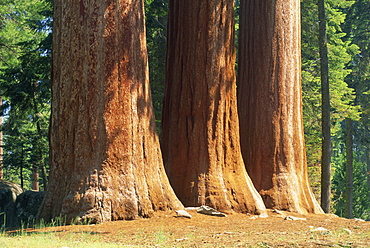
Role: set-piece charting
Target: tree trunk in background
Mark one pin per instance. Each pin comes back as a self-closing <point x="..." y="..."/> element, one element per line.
<point x="105" y="156"/>
<point x="349" y="167"/>
<point x="39" y="158"/>
<point x="270" y="104"/>
<point x="35" y="177"/>
<point x="325" y="110"/>
<point x="367" y="155"/>
<point x="200" y="141"/>
<point x="21" y="174"/>
<point x="1" y="143"/>
<point x="44" y="177"/>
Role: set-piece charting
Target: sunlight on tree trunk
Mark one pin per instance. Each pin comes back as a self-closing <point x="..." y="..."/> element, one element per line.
<point x="200" y="130"/>
<point x="105" y="156"/>
<point x="270" y="104"/>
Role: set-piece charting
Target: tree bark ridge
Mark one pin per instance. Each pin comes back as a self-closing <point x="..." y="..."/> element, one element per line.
<point x="270" y="104"/>
<point x="200" y="141"/>
<point x="105" y="156"/>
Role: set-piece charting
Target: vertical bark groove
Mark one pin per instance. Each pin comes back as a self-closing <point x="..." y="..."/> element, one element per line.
<point x="270" y="104"/>
<point x="105" y="157"/>
<point x="200" y="140"/>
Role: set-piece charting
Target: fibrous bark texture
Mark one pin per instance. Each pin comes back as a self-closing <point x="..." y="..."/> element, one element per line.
<point x="105" y="156"/>
<point x="200" y="142"/>
<point x="270" y="104"/>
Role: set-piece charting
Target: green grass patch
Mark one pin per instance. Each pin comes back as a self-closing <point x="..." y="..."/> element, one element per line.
<point x="51" y="240"/>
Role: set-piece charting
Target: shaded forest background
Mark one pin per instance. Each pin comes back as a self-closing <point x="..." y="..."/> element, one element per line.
<point x="25" y="57"/>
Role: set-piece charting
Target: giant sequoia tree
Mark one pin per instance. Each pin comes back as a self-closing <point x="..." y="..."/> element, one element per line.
<point x="200" y="130"/>
<point x="270" y="104"/>
<point x="105" y="155"/>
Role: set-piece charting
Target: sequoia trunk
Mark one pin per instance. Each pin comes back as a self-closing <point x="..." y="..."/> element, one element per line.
<point x="270" y="104"/>
<point x="200" y="143"/>
<point x="105" y="156"/>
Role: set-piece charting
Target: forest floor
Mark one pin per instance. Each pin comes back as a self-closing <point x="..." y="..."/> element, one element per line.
<point x="235" y="230"/>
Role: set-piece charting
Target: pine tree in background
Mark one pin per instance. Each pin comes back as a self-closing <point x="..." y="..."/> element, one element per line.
<point x="325" y="110"/>
<point x="357" y="28"/>
<point x="340" y="53"/>
<point x="24" y="83"/>
<point x="156" y="27"/>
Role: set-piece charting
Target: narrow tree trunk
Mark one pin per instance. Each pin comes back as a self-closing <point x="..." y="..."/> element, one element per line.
<point x="35" y="177"/>
<point x="270" y="104"/>
<point x="21" y="173"/>
<point x="105" y="159"/>
<point x="44" y="177"/>
<point x="326" y="135"/>
<point x="200" y="130"/>
<point x="1" y="142"/>
<point x="349" y="167"/>
<point x="367" y="154"/>
<point x="39" y="157"/>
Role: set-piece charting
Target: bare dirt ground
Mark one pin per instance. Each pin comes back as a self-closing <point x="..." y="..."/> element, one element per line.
<point x="236" y="230"/>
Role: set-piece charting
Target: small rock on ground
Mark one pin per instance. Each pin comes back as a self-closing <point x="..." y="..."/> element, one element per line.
<point x="183" y="213"/>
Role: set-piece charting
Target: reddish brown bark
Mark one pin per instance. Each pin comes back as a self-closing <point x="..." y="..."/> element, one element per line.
<point x="270" y="104"/>
<point x="105" y="157"/>
<point x="200" y="130"/>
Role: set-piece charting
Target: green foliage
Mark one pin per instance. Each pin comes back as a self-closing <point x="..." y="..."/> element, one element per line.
<point x="19" y="22"/>
<point x="357" y="27"/>
<point x="25" y="86"/>
<point x="340" y="52"/>
<point x="348" y="44"/>
<point x="340" y="55"/>
<point x="361" y="201"/>
<point x="156" y="30"/>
